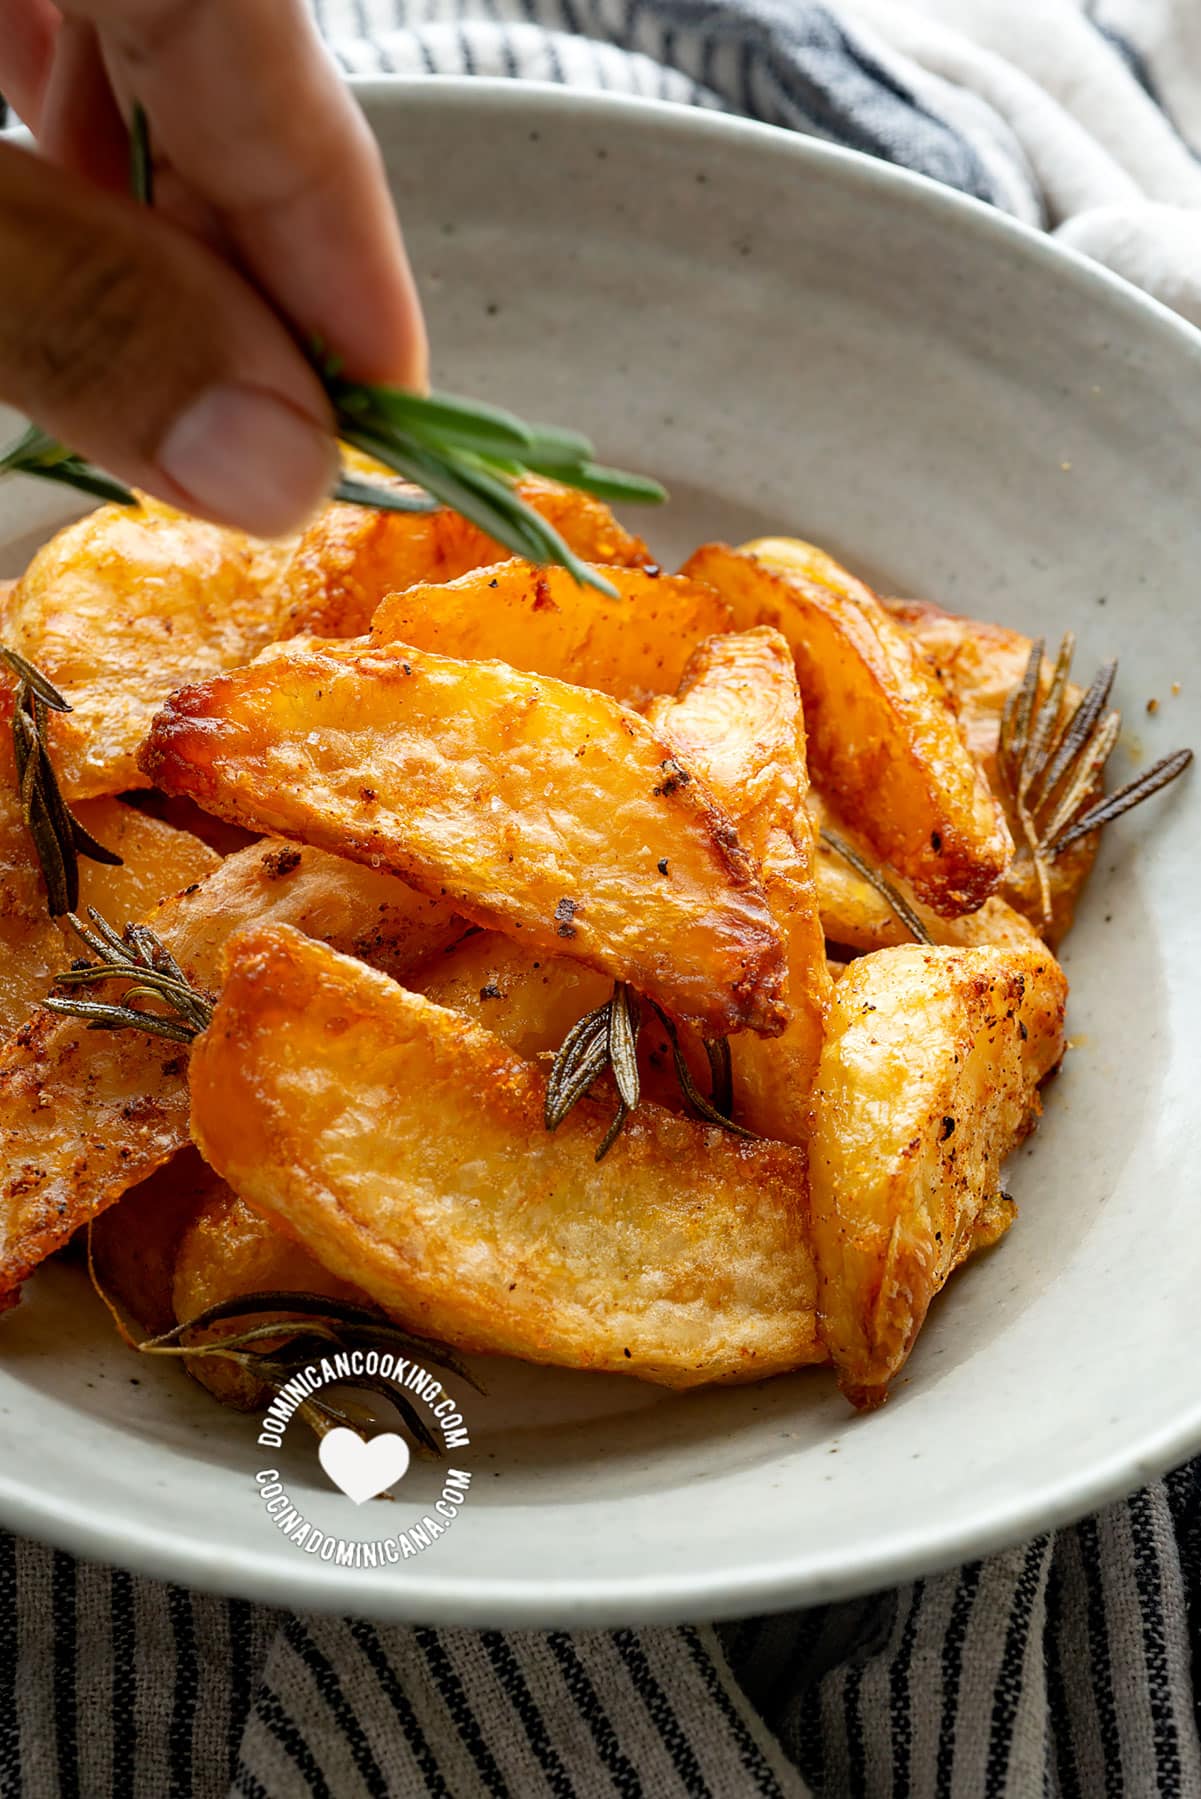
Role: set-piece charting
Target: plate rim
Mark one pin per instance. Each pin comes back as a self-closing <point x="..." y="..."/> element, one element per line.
<point x="808" y="1577"/>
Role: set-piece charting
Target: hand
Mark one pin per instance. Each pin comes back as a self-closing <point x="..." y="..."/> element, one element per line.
<point x="164" y="345"/>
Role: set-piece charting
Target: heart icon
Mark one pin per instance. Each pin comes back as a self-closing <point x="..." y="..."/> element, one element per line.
<point x="363" y="1468"/>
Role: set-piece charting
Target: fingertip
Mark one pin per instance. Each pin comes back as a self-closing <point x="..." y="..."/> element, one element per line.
<point x="248" y="458"/>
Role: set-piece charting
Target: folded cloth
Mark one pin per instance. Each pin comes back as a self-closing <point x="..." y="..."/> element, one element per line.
<point x="1064" y="1666"/>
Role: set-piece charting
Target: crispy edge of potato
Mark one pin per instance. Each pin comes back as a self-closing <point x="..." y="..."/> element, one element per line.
<point x="884" y="741"/>
<point x="928" y="1079"/>
<point x="350" y="557"/>
<point x="453" y="766"/>
<point x="737" y="719"/>
<point x="135" y="1243"/>
<point x="122" y="606"/>
<point x="543" y="621"/>
<point x="84" y="1115"/>
<point x="406" y="1147"/>
<point x="228" y="1250"/>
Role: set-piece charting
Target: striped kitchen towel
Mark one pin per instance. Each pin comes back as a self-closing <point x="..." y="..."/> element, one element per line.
<point x="1062" y="1667"/>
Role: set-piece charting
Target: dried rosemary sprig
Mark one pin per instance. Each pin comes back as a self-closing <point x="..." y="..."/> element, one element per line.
<point x="881" y="883"/>
<point x="1051" y="758"/>
<point x="58" y="837"/>
<point x="150" y="971"/>
<point x="458" y="453"/>
<point x="608" y="1038"/>
<point x="276" y="1349"/>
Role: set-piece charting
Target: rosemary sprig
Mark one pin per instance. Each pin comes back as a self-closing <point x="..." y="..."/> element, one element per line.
<point x="608" y="1038"/>
<point x="58" y="837"/>
<point x="880" y="882"/>
<point x="1051" y="758"/>
<point x="150" y="971"/>
<point x="459" y="453"/>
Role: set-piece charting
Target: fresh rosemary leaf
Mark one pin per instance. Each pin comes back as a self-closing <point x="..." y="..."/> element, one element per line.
<point x="704" y="1108"/>
<point x="1122" y="799"/>
<point x="36" y="453"/>
<point x="608" y="483"/>
<point x="355" y="492"/>
<point x="622" y="1043"/>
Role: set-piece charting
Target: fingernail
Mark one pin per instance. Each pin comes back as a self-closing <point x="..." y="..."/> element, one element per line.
<point x="249" y="457"/>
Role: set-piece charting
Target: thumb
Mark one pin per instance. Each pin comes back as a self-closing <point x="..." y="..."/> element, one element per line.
<point x="139" y="348"/>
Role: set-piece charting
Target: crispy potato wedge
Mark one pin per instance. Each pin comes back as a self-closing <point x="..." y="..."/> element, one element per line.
<point x="124" y="606"/>
<point x="136" y="1242"/>
<point x="928" y="1080"/>
<point x="157" y="861"/>
<point x="541" y="620"/>
<point x="31" y="944"/>
<point x="226" y="1251"/>
<point x="981" y="665"/>
<point x="350" y="557"/>
<point x="539" y="808"/>
<point x="84" y="1115"/>
<point x="405" y="1147"/>
<point x="856" y="916"/>
<point x="884" y="742"/>
<point x="737" y="722"/>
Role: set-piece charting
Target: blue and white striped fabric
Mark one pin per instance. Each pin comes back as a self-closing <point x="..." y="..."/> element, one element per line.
<point x="1063" y="1667"/>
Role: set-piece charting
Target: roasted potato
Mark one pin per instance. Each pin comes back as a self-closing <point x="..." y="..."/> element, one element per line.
<point x="350" y="557"/>
<point x="405" y="1147"/>
<point x="157" y="860"/>
<point x="31" y="945"/>
<point x="227" y="1251"/>
<point x="855" y="915"/>
<point x="136" y="1242"/>
<point x="84" y="1115"/>
<point x="929" y="1078"/>
<point x="884" y="742"/>
<point x="538" y="808"/>
<point x="124" y="606"/>
<point x="543" y="621"/>
<point x="737" y="722"/>
<point x="981" y="665"/>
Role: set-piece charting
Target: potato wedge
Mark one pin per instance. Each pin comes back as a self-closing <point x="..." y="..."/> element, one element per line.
<point x="928" y="1080"/>
<point x="884" y="742"/>
<point x="135" y="1243"/>
<point x="350" y="557"/>
<point x="981" y="664"/>
<point x="31" y="944"/>
<point x="157" y="861"/>
<point x="537" y="807"/>
<point x="227" y="1251"/>
<point x="124" y="606"/>
<point x="405" y="1147"/>
<point x="856" y="916"/>
<point x="541" y="620"/>
<point x="84" y="1115"/>
<point x="737" y="722"/>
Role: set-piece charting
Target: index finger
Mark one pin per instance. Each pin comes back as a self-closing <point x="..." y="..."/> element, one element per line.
<point x="249" y="110"/>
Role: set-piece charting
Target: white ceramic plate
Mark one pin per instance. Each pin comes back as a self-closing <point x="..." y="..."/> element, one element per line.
<point x="795" y="338"/>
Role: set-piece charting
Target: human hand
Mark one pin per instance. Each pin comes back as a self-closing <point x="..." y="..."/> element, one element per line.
<point x="164" y="346"/>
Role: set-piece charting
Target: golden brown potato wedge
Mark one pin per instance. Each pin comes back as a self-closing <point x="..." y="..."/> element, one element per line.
<point x="157" y="861"/>
<point x="405" y="1147"/>
<point x="227" y="1251"/>
<point x="855" y="915"/>
<point x="136" y="1242"/>
<point x="539" y="808"/>
<point x="85" y="1115"/>
<point x="981" y="665"/>
<point x="124" y="606"/>
<point x="928" y="1080"/>
<point x="543" y="621"/>
<point x="351" y="557"/>
<point x="884" y="742"/>
<point x="31" y="945"/>
<point x="737" y="722"/>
